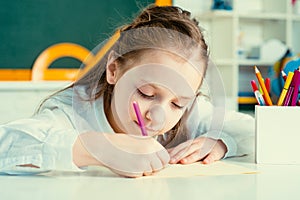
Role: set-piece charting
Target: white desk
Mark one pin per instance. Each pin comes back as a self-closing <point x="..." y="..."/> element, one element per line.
<point x="19" y="99"/>
<point x="272" y="182"/>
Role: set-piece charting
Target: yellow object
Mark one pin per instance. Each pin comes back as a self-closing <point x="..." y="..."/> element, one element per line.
<point x="247" y="100"/>
<point x="15" y="74"/>
<point x="163" y="2"/>
<point x="285" y="88"/>
<point x="40" y="69"/>
<point x="99" y="55"/>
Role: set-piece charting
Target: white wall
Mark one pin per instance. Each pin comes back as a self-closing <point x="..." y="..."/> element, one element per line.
<point x="20" y="99"/>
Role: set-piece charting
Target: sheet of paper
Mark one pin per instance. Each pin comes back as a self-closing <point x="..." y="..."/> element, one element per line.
<point x="171" y="171"/>
<point x="199" y="169"/>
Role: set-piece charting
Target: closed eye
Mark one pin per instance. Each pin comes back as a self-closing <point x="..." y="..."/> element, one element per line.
<point x="177" y="106"/>
<point x="145" y="95"/>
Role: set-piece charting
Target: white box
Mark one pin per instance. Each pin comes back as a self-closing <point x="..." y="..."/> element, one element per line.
<point x="277" y="134"/>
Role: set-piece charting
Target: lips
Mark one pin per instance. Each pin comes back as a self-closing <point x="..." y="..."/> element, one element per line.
<point x="150" y="130"/>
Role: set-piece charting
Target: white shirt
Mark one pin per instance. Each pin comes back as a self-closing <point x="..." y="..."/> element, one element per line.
<point x="46" y="139"/>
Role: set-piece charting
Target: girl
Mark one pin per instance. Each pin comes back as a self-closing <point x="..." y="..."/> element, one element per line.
<point x="159" y="61"/>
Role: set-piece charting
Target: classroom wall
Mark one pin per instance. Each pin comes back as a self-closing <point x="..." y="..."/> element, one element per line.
<point x="27" y="27"/>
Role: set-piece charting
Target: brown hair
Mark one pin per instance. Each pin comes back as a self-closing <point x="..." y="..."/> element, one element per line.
<point x="165" y="17"/>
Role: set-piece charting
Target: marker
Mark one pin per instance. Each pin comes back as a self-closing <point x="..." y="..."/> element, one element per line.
<point x="288" y="96"/>
<point x="263" y="87"/>
<point x="139" y="118"/>
<point x="285" y="88"/>
<point x="296" y="84"/>
<point x="259" y="98"/>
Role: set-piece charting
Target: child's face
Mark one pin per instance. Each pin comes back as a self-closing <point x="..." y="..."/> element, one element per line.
<point x="162" y="85"/>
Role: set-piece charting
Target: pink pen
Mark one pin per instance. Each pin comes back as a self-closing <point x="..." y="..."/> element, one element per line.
<point x="294" y="96"/>
<point x="139" y="118"/>
<point x="288" y="96"/>
<point x="291" y="91"/>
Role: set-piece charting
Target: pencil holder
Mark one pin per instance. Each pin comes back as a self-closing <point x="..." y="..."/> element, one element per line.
<point x="277" y="134"/>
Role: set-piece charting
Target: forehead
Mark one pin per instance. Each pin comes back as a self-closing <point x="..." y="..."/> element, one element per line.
<point x="179" y="67"/>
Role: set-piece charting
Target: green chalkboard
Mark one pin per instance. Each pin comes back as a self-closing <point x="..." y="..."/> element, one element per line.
<point x="27" y="27"/>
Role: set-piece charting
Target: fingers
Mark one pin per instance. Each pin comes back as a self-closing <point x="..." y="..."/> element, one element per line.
<point x="180" y="151"/>
<point x="194" y="157"/>
<point x="150" y="170"/>
<point x="153" y="162"/>
<point x="195" y="151"/>
<point x="141" y="157"/>
<point x="175" y="150"/>
<point x="158" y="162"/>
<point x="164" y="156"/>
<point x="201" y="148"/>
<point x="184" y="153"/>
<point x="212" y="157"/>
<point x="155" y="166"/>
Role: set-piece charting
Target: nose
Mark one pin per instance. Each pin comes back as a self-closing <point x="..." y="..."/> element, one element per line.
<point x="156" y="116"/>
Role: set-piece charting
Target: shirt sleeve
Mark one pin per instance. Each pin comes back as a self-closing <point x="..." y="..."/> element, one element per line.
<point x="241" y="127"/>
<point x="44" y="140"/>
<point x="235" y="129"/>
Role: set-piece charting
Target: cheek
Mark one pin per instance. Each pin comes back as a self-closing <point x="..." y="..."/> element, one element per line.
<point x="141" y="102"/>
<point x="172" y="119"/>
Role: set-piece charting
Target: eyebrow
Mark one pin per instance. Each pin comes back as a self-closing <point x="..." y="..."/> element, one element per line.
<point x="177" y="96"/>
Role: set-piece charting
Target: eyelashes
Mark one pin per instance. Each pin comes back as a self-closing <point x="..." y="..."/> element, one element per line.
<point x="151" y="97"/>
<point x="178" y="106"/>
<point x="140" y="93"/>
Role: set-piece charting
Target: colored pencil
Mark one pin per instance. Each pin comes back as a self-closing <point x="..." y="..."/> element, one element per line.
<point x="140" y="118"/>
<point x="263" y="87"/>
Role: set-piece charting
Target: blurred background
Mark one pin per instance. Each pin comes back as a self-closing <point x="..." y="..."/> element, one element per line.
<point x="240" y="34"/>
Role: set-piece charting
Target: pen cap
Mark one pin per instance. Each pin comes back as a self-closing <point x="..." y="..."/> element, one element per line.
<point x="295" y="83"/>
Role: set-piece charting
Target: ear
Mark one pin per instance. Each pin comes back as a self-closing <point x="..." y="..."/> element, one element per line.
<point x="111" y="68"/>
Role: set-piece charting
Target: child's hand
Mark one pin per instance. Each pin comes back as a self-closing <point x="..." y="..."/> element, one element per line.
<point x="126" y="155"/>
<point x="208" y="149"/>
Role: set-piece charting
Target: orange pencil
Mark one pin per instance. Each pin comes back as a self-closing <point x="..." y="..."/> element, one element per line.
<point x="263" y="87"/>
